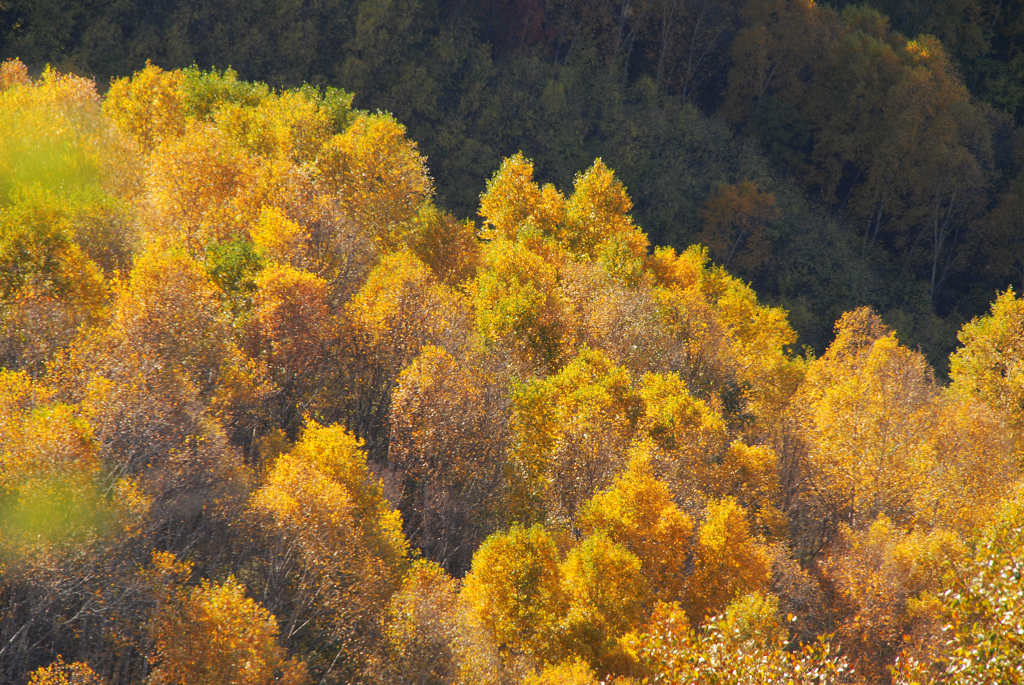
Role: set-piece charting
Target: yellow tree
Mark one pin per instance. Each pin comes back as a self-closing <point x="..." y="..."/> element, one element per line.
<point x="865" y="414"/>
<point x="291" y="330"/>
<point x="745" y="645"/>
<point x="214" y="634"/>
<point x="989" y="364"/>
<point x="705" y="360"/>
<point x="607" y="596"/>
<point x="280" y="239"/>
<point x="575" y="671"/>
<point x="171" y="308"/>
<point x="517" y="305"/>
<point x="619" y="315"/>
<point x="334" y="553"/>
<point x="203" y="188"/>
<point x="978" y="614"/>
<point x="149" y="106"/>
<point x="977" y="458"/>
<point x="421" y="629"/>
<point x="759" y="337"/>
<point x="154" y="382"/>
<point x="545" y="251"/>
<point x="152" y="426"/>
<point x="168" y="315"/>
<point x="168" y="319"/>
<point x="598" y="211"/>
<point x="376" y="175"/>
<point x="400" y="308"/>
<point x="514" y="203"/>
<point x="49" y="286"/>
<point x="886" y="581"/>
<point x="62" y="673"/>
<point x="569" y="434"/>
<point x="64" y="217"/>
<point x="13" y="72"/>
<point x="511" y="196"/>
<point x="51" y="478"/>
<point x="290" y="125"/>
<point x="68" y="528"/>
<point x="445" y="244"/>
<point x="514" y="592"/>
<point x="56" y="138"/>
<point x="300" y="227"/>
<point x="638" y="512"/>
<point x="691" y="436"/>
<point x="729" y="561"/>
<point x="732" y="346"/>
<point x="692" y="451"/>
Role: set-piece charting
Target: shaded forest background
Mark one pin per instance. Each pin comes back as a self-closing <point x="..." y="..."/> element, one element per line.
<point x="833" y="156"/>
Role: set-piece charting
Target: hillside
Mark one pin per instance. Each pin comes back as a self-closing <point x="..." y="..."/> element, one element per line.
<point x="272" y="414"/>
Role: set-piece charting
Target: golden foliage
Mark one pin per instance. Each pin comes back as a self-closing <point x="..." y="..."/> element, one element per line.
<point x="597" y="211"/>
<point x="279" y="238"/>
<point x="328" y="515"/>
<point x="421" y="629"/>
<point x="291" y="323"/>
<point x="729" y="561"/>
<point x="62" y="673"/>
<point x="514" y="591"/>
<point x="203" y="188"/>
<point x="729" y="650"/>
<point x="13" y="72"/>
<point x="64" y="175"/>
<point x="511" y="196"/>
<point x="290" y="269"/>
<point x="214" y="635"/>
<point x="447" y="440"/>
<point x="607" y="595"/>
<point x="990" y="361"/>
<point x="886" y="577"/>
<point x="569" y="434"/>
<point x="866" y="414"/>
<point x="149" y="106"/>
<point x="573" y="672"/>
<point x="637" y="512"/>
<point x="516" y="303"/>
<point x="376" y="175"/>
<point x="52" y="503"/>
<point x="445" y="244"/>
<point x="288" y="125"/>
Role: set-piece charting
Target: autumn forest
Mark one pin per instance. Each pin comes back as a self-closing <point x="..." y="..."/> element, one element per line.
<point x="513" y="342"/>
